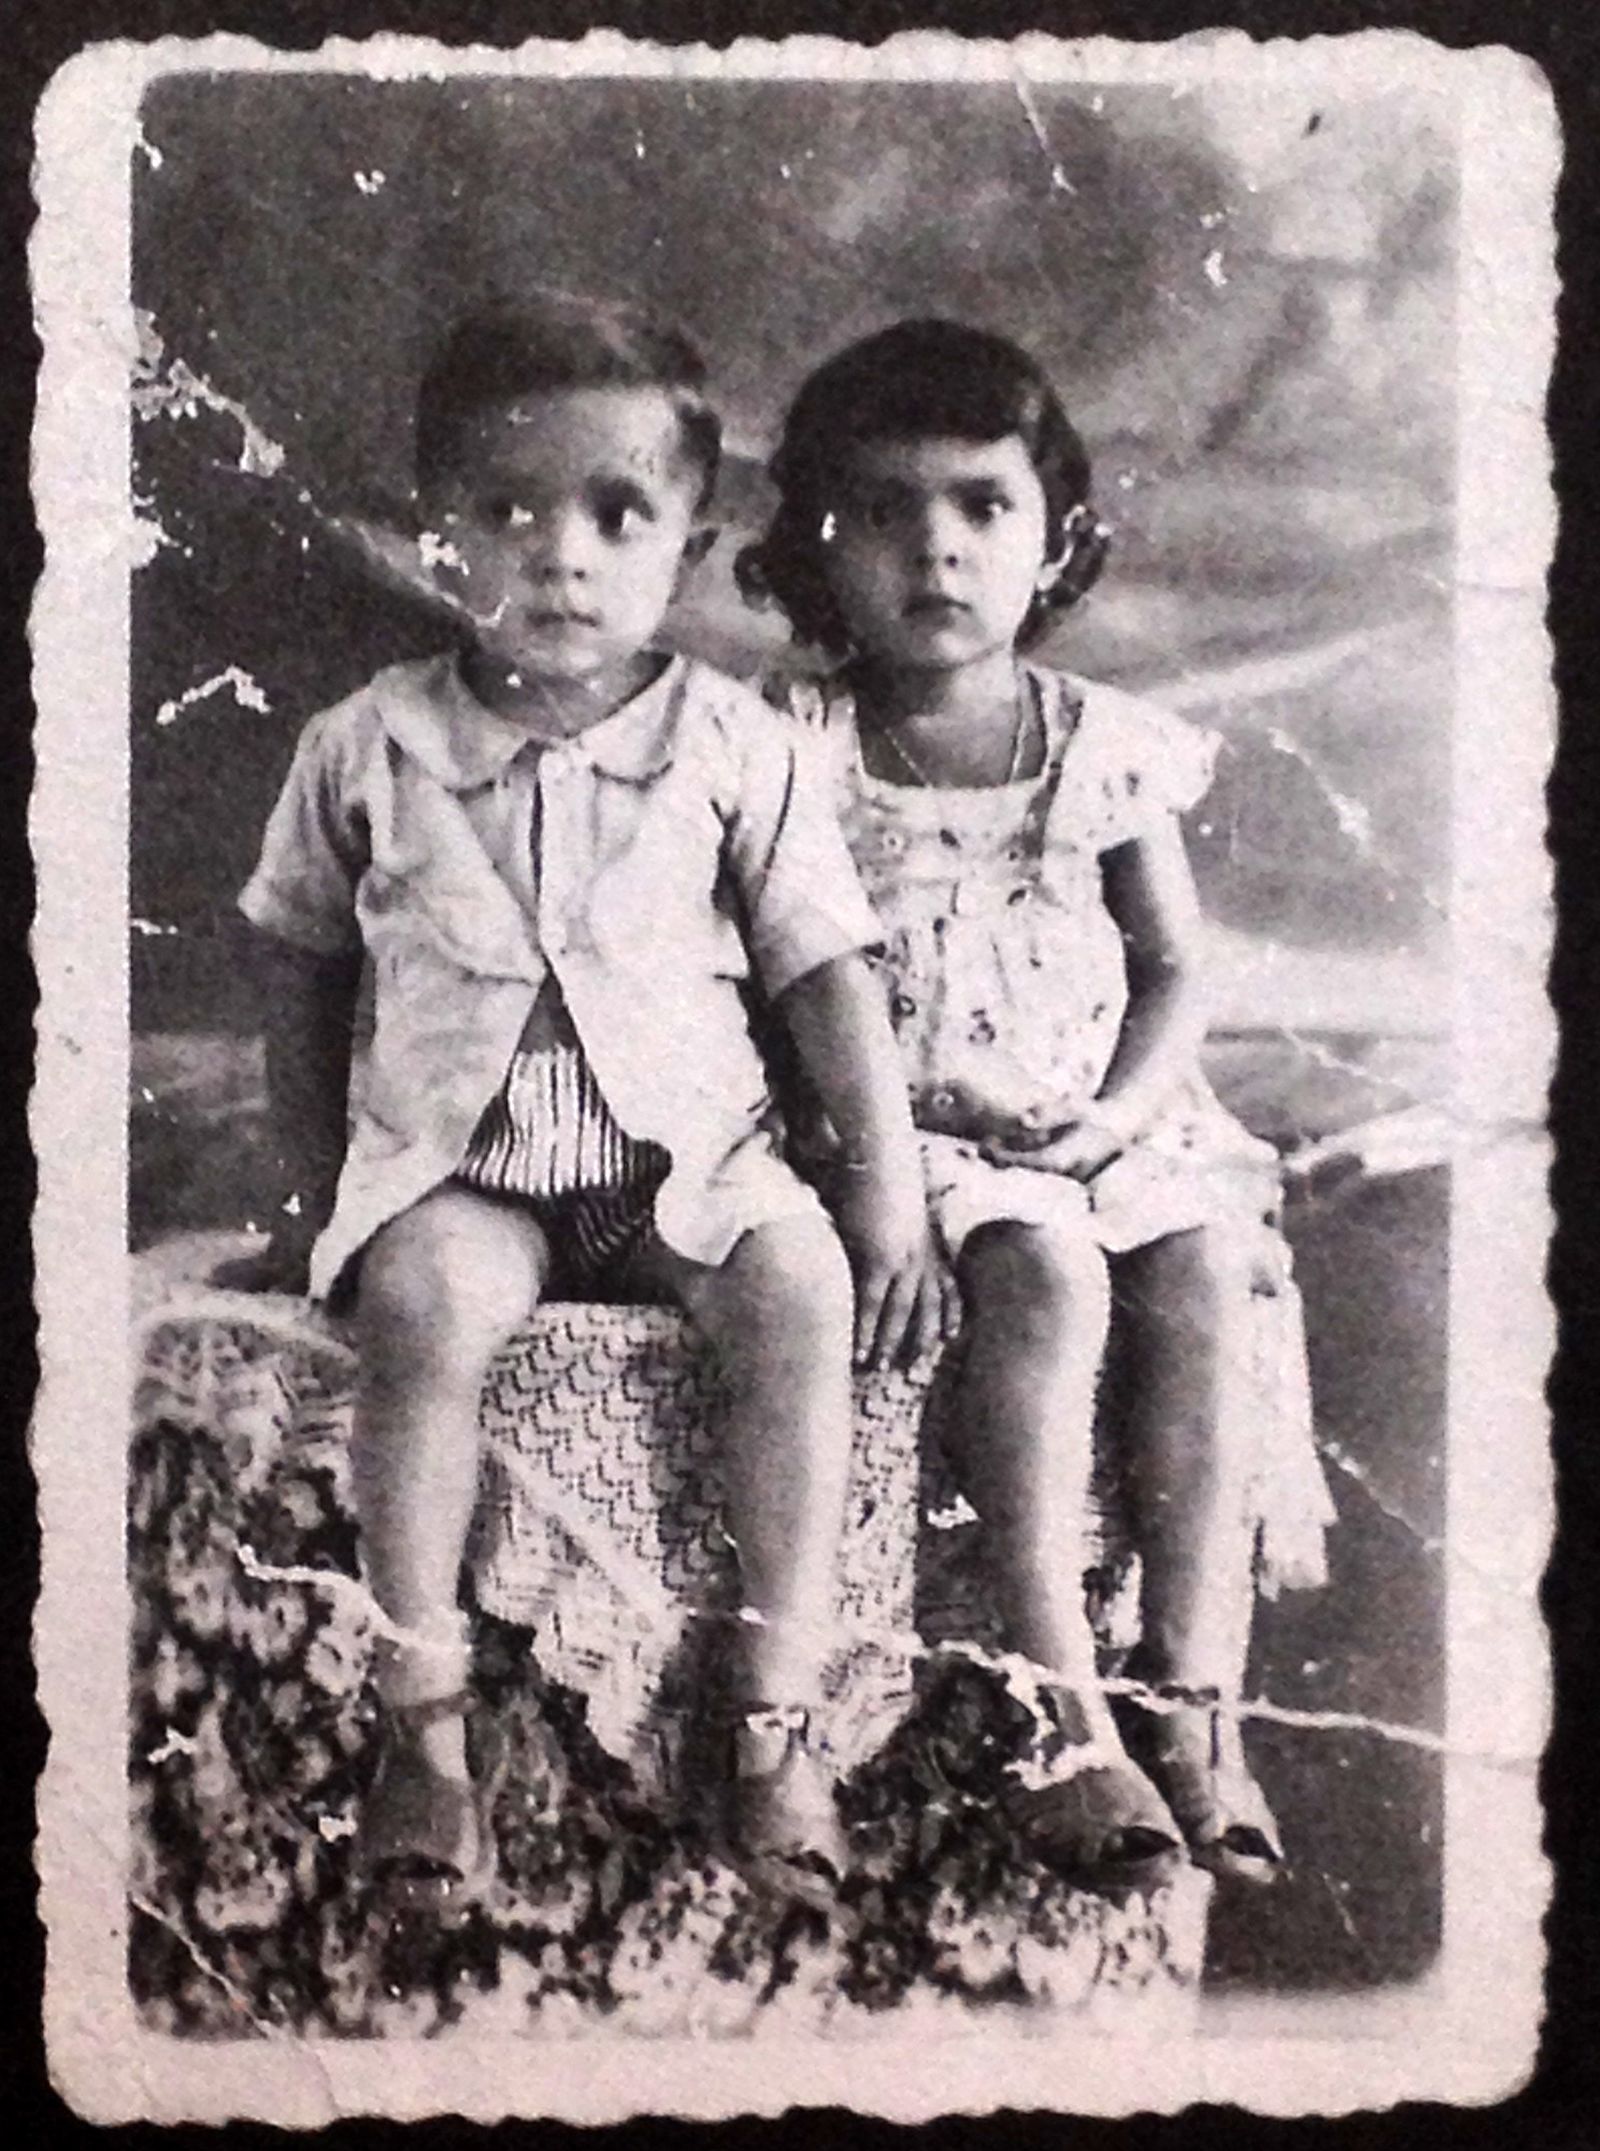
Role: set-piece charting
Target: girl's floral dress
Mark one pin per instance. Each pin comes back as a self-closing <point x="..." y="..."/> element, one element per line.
<point x="1007" y="984"/>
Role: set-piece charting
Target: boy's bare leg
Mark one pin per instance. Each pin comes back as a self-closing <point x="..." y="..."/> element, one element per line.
<point x="1036" y="1306"/>
<point x="778" y="1314"/>
<point x="441" y="1288"/>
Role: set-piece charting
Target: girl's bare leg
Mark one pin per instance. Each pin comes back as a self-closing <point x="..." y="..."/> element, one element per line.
<point x="1186" y="1444"/>
<point x="1035" y="1315"/>
<point x="441" y="1288"/>
<point x="1022" y="1429"/>
<point x="1190" y="1427"/>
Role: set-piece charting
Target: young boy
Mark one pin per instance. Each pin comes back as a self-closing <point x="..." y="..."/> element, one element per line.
<point x="563" y="853"/>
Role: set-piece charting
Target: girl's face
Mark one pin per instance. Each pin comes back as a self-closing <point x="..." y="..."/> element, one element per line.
<point x="936" y="549"/>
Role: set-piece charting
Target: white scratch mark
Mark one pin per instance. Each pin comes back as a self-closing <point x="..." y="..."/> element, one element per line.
<point x="176" y="1743"/>
<point x="1030" y="112"/>
<point x="149" y="927"/>
<point x="236" y="1994"/>
<point x="233" y="678"/>
<point x="170" y="388"/>
<point x="1215" y="275"/>
<point x="330" y="1828"/>
<point x="147" y="149"/>
<point x="1211" y="218"/>
<point x="436" y="552"/>
<point x="370" y="182"/>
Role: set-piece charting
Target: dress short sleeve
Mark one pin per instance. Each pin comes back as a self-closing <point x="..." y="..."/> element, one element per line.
<point x="1129" y="766"/>
<point x="313" y="851"/>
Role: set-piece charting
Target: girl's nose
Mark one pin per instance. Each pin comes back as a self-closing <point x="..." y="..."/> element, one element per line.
<point x="938" y="538"/>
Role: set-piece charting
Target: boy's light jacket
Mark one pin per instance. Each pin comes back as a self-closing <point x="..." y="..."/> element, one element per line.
<point x="655" y="864"/>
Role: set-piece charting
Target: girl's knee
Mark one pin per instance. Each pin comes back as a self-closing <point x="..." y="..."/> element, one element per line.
<point x="1032" y="1277"/>
<point x="1040" y="1264"/>
<point x="1202" y="1278"/>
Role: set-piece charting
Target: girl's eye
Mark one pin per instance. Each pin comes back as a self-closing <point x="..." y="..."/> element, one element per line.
<point x="984" y="508"/>
<point x="504" y="513"/>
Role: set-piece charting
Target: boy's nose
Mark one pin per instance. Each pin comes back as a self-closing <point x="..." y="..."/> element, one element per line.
<point x="558" y="545"/>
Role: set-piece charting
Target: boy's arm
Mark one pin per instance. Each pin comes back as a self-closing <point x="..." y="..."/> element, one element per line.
<point x="309" y="1001"/>
<point x="905" y="1301"/>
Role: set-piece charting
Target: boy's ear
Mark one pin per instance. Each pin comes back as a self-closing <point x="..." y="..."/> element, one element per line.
<point x="699" y="543"/>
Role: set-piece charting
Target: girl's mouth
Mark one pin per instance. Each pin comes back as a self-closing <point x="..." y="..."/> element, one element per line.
<point x="933" y="605"/>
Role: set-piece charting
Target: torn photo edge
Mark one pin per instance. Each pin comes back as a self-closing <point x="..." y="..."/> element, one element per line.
<point x="1464" y="2034"/>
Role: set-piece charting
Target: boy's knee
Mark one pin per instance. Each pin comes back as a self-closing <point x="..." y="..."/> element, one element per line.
<point x="792" y="1275"/>
<point x="434" y="1289"/>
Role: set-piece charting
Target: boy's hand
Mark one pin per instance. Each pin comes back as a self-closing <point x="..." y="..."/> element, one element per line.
<point x="906" y="1299"/>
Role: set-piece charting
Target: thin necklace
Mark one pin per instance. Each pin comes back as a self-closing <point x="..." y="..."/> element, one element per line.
<point x="1019" y="731"/>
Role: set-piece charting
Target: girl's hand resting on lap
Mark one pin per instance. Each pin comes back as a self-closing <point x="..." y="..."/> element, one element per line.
<point x="1078" y="1153"/>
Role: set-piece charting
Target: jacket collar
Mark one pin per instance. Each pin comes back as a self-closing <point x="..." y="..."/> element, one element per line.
<point x="428" y="711"/>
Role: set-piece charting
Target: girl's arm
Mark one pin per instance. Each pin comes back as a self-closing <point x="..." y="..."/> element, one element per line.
<point x="1150" y="893"/>
<point x="309" y="1003"/>
<point x="835" y="1015"/>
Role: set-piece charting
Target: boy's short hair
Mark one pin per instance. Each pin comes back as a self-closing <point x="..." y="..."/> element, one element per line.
<point x="505" y="350"/>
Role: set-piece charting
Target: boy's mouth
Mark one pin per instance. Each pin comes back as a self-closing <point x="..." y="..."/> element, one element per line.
<point x="552" y="618"/>
<point x="935" y="605"/>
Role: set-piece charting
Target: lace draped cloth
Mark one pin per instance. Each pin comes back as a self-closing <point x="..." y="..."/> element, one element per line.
<point x="601" y="1581"/>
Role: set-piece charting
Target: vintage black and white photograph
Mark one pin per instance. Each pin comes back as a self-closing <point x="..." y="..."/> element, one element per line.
<point x="792" y="923"/>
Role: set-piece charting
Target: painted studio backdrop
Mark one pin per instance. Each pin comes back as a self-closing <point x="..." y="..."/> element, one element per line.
<point x="1247" y="305"/>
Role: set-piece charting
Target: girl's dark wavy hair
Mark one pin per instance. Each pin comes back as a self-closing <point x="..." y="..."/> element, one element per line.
<point x="549" y="341"/>
<point x="919" y="379"/>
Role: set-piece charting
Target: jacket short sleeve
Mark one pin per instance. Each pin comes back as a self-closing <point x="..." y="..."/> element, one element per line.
<point x="314" y="849"/>
<point x="803" y="904"/>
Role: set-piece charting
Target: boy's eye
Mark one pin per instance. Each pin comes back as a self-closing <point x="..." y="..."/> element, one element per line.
<point x="503" y="512"/>
<point x="620" y="515"/>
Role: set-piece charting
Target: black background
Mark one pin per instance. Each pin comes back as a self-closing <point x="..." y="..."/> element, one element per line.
<point x="1561" y="2105"/>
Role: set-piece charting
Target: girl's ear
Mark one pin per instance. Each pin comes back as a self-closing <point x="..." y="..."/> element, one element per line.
<point x="1077" y="560"/>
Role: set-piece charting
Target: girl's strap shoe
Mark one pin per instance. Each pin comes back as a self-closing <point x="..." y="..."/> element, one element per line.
<point x="1086" y="1812"/>
<point x="1191" y="1747"/>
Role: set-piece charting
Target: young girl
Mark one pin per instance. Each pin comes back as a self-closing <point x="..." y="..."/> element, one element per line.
<point x="1018" y="832"/>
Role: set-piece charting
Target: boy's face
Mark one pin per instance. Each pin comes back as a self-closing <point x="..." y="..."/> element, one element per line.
<point x="567" y="518"/>
<point x="936" y="549"/>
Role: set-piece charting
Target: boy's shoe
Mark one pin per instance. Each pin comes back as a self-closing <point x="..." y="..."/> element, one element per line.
<point x="1192" y="1749"/>
<point x="1085" y="1810"/>
<point x="781" y="1820"/>
<point x="426" y="1837"/>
